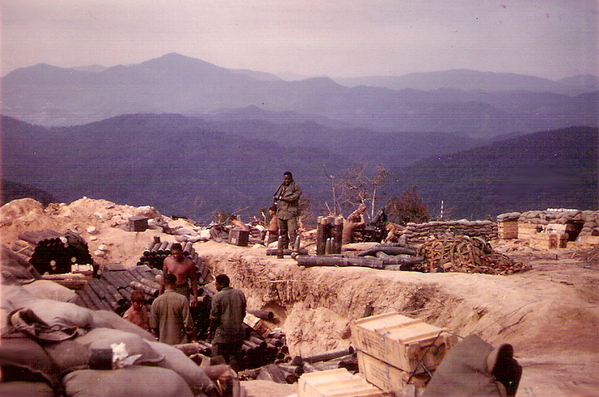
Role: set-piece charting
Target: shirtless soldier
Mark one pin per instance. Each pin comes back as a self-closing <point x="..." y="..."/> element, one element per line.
<point x="184" y="269"/>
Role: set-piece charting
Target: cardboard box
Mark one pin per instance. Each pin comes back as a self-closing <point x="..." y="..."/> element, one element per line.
<point x="388" y="377"/>
<point x="336" y="383"/>
<point x="403" y="342"/>
<point x="239" y="237"/>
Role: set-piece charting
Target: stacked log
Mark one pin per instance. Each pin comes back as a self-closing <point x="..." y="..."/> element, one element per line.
<point x="417" y="233"/>
<point x="467" y="255"/>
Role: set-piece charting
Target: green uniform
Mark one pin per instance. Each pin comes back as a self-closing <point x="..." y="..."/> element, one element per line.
<point x="288" y="211"/>
<point x="227" y="314"/>
<point x="226" y="321"/>
<point x="170" y="315"/>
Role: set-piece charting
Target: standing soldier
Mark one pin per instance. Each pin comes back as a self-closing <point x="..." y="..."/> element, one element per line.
<point x="288" y="195"/>
<point x="226" y="322"/>
<point x="170" y="319"/>
<point x="185" y="271"/>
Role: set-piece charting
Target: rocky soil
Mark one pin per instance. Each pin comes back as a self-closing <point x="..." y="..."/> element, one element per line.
<point x="549" y="314"/>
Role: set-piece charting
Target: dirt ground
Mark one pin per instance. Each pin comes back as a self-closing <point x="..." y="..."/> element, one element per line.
<point x="549" y="314"/>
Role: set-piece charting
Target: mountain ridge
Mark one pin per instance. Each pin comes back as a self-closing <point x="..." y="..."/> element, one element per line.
<point x="192" y="167"/>
<point x="175" y="83"/>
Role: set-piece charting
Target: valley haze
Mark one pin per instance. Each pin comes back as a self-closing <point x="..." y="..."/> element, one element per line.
<point x="192" y="138"/>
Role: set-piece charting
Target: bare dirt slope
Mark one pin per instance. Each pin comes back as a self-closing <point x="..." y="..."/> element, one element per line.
<point x="549" y="314"/>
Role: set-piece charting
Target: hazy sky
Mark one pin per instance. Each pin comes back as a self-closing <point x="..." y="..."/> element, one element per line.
<point x="549" y="38"/>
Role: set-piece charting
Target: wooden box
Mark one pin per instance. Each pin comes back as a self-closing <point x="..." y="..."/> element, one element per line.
<point x="336" y="383"/>
<point x="239" y="237"/>
<point x="257" y="325"/>
<point x="138" y="224"/>
<point x="507" y="229"/>
<point x="388" y="377"/>
<point x="403" y="342"/>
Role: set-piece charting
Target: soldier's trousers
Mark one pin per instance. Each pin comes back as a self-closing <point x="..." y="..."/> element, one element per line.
<point x="288" y="231"/>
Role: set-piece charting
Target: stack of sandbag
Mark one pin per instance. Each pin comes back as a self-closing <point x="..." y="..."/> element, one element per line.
<point x="417" y="233"/>
<point x="60" y="346"/>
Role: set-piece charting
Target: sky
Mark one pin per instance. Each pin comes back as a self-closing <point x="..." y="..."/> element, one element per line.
<point x="350" y="38"/>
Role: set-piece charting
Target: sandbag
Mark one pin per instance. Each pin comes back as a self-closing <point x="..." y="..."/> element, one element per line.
<point x="28" y="356"/>
<point x="14" y="297"/>
<point x="56" y="313"/>
<point x="137" y="380"/>
<point x="46" y="289"/>
<point x="68" y="356"/>
<point x="27" y="322"/>
<point x="177" y="361"/>
<point x="108" y="319"/>
<point x="473" y="368"/>
<point x="25" y="389"/>
<point x="103" y="338"/>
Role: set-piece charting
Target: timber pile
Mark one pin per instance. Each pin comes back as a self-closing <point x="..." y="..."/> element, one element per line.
<point x="467" y="255"/>
<point x="417" y="233"/>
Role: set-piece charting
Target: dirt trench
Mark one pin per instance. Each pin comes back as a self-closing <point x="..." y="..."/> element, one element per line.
<point x="550" y="314"/>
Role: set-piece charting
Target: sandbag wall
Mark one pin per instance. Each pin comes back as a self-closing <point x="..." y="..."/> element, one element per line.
<point x="51" y="252"/>
<point x="417" y="233"/>
<point x="534" y="225"/>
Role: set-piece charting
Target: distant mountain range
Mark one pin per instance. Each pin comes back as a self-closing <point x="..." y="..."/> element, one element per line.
<point x="472" y="80"/>
<point x="546" y="169"/>
<point x="462" y="102"/>
<point x="192" y="166"/>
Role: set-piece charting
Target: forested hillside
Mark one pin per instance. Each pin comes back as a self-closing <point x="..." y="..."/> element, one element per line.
<point x="547" y="169"/>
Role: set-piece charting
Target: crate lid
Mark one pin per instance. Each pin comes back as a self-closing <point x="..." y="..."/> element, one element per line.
<point x="395" y="326"/>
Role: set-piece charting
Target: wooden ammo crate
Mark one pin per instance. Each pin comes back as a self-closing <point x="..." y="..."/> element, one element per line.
<point x="137" y="224"/>
<point x="403" y="342"/>
<point x="507" y="230"/>
<point x="239" y="237"/>
<point x="336" y="383"/>
<point x="388" y="377"/>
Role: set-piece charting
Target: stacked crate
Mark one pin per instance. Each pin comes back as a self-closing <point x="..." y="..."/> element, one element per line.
<point x="396" y="351"/>
<point x="336" y="383"/>
<point x="507" y="230"/>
